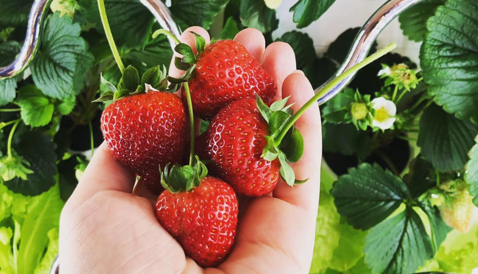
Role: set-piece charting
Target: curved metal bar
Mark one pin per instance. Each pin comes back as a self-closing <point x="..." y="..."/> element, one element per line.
<point x="364" y="41"/>
<point x="164" y="17"/>
<point x="31" y="41"/>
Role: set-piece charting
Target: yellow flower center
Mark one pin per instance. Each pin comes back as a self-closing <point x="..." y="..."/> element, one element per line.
<point x="381" y="114"/>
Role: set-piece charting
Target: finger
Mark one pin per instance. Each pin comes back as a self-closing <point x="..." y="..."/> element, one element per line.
<point x="103" y="173"/>
<point x="306" y="195"/>
<point x="141" y="190"/>
<point x="253" y="40"/>
<point x="279" y="61"/>
<point x="188" y="38"/>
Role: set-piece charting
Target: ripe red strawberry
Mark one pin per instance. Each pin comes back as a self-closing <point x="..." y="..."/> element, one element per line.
<point x="203" y="219"/>
<point x="146" y="131"/>
<point x="235" y="144"/>
<point x="225" y="71"/>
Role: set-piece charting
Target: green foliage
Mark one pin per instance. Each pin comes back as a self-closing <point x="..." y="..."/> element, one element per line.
<point x="38" y="150"/>
<point x="14" y="13"/>
<point x="59" y="69"/>
<point x="350" y="248"/>
<point x="230" y="29"/>
<point x="255" y="14"/>
<point x="307" y="11"/>
<point x="472" y="173"/>
<point x="444" y="139"/>
<point x="398" y="245"/>
<point x="347" y="140"/>
<point x="368" y="194"/>
<point x="7" y="91"/>
<point x="36" y="108"/>
<point x="327" y="233"/>
<point x="29" y="241"/>
<point x="131" y="22"/>
<point x="413" y="21"/>
<point x="196" y="12"/>
<point x="449" y="58"/>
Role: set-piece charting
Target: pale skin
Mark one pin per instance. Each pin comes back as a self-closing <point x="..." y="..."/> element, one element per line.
<point x="107" y="227"/>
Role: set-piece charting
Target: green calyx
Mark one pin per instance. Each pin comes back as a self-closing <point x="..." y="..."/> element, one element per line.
<point x="12" y="167"/>
<point x="188" y="60"/>
<point x="131" y="83"/>
<point x="288" y="149"/>
<point x="183" y="178"/>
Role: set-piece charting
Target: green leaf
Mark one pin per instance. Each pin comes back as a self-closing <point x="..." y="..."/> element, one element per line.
<point x="131" y="22"/>
<point x="36" y="108"/>
<point x="8" y="52"/>
<point x="66" y="106"/>
<point x="303" y="47"/>
<point x="347" y="140"/>
<point x="338" y="107"/>
<point x="398" y="245"/>
<point x="459" y="252"/>
<point x="444" y="139"/>
<point x="38" y="149"/>
<point x="293" y="145"/>
<point x="471" y="175"/>
<point x="51" y="252"/>
<point x="327" y="233"/>
<point x="151" y="76"/>
<point x="15" y="13"/>
<point x="307" y="11"/>
<point x="286" y="171"/>
<point x="196" y="12"/>
<point x="439" y="228"/>
<point x="421" y="177"/>
<point x="276" y="120"/>
<point x="59" y="68"/>
<point x="14" y="167"/>
<point x="157" y="52"/>
<point x="230" y="29"/>
<point x="368" y="194"/>
<point x="280" y="105"/>
<point x="186" y="51"/>
<point x="255" y="14"/>
<point x="263" y="108"/>
<point x="200" y="42"/>
<point x="7" y="90"/>
<point x="270" y="152"/>
<point x="43" y="216"/>
<point x="130" y="78"/>
<point x="413" y="21"/>
<point x="449" y="58"/>
<point x="6" y="255"/>
<point x="349" y="250"/>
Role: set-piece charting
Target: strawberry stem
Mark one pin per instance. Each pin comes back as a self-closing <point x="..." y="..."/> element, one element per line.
<point x="92" y="139"/>
<point x="290" y="122"/>
<point x="10" y="138"/>
<point x="109" y="35"/>
<point x="169" y="34"/>
<point x="10" y="109"/>
<point x="191" y="122"/>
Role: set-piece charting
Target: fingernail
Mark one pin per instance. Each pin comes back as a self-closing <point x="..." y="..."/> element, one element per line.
<point x="299" y="71"/>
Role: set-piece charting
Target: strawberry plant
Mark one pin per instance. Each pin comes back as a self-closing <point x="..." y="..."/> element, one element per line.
<point x="401" y="139"/>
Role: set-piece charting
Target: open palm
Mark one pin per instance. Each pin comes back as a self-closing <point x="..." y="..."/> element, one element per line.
<point x="106" y="229"/>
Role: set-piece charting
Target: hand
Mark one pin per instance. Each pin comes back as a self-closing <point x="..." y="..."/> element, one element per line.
<point x="105" y="228"/>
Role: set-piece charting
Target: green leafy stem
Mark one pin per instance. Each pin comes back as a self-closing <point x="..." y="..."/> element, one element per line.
<point x="290" y="122"/>
<point x="109" y="35"/>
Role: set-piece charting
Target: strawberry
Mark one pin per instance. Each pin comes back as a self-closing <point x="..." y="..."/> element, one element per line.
<point x="201" y="214"/>
<point x="458" y="213"/>
<point x="145" y="130"/>
<point x="220" y="74"/>
<point x="237" y="143"/>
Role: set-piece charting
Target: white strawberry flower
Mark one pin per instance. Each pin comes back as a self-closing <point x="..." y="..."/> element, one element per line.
<point x="385" y="71"/>
<point x="385" y="111"/>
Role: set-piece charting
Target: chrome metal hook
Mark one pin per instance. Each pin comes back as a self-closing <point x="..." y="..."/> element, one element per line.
<point x="358" y="51"/>
<point x="364" y="40"/>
